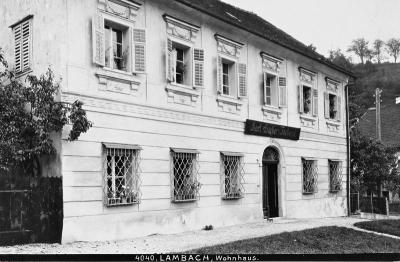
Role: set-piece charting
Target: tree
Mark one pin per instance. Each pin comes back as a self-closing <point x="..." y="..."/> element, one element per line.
<point x="393" y="48"/>
<point x="373" y="164"/>
<point x="30" y="115"/>
<point x="312" y="47"/>
<point x="360" y="48"/>
<point x="338" y="58"/>
<point x="377" y="50"/>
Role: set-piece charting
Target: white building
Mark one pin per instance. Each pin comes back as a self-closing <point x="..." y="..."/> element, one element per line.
<point x="203" y="114"/>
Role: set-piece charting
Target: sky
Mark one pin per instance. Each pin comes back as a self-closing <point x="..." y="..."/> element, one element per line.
<point x="329" y="24"/>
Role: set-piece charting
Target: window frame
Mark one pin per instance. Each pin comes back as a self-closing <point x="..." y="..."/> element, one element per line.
<point x="238" y="191"/>
<point x="232" y="76"/>
<point x="133" y="195"/>
<point x="190" y="184"/>
<point x="274" y="92"/>
<point x="315" y="176"/>
<point x="335" y="187"/>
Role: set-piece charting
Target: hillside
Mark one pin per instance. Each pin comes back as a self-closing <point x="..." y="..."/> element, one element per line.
<point x="369" y="77"/>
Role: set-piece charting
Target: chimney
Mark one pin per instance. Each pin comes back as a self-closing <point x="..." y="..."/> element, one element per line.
<point x="398" y="100"/>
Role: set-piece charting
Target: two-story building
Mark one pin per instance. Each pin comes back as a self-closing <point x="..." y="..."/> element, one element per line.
<point x="202" y="114"/>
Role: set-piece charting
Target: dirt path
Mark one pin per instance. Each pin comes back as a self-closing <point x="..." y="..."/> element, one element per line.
<point x="183" y="241"/>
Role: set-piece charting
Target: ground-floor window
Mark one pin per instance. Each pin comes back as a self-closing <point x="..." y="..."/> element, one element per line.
<point x="310" y="175"/>
<point x="335" y="175"/>
<point x="122" y="174"/>
<point x="232" y="175"/>
<point x="184" y="175"/>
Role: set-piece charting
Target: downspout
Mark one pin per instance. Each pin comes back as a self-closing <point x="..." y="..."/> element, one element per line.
<point x="348" y="150"/>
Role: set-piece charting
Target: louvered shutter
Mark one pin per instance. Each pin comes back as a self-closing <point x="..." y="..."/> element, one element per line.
<point x="282" y="98"/>
<point x="300" y="98"/>
<point x="219" y="75"/>
<point x="26" y="45"/>
<point x="326" y="103"/>
<point x="98" y="41"/>
<point x="18" y="48"/>
<point x="242" y="80"/>
<point x="265" y="87"/>
<point x="338" y="108"/>
<point x="315" y="102"/>
<point x="170" y="62"/>
<point x="139" y="50"/>
<point x="198" y="68"/>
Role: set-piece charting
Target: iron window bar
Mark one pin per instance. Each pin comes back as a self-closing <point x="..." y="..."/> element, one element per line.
<point x="122" y="178"/>
<point x="184" y="175"/>
<point x="335" y="175"/>
<point x="232" y="175"/>
<point x="310" y="175"/>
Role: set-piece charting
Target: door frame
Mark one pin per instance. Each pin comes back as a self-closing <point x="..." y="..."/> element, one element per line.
<point x="281" y="173"/>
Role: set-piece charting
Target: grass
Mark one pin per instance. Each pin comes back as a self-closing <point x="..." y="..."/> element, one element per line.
<point x="388" y="226"/>
<point x="323" y="240"/>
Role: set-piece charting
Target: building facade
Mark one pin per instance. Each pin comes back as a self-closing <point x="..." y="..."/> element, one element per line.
<point x="202" y="114"/>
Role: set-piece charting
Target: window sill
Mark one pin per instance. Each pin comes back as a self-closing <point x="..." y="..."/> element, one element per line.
<point x="232" y="197"/>
<point x="308" y="120"/>
<point x="117" y="81"/>
<point x="333" y="125"/>
<point x="272" y="113"/>
<point x="182" y="94"/>
<point x="229" y="104"/>
<point x="183" y="201"/>
<point x="23" y="73"/>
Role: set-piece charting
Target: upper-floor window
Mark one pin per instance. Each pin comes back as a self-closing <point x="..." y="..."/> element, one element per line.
<point x="184" y="62"/>
<point x="117" y="45"/>
<point x="332" y="100"/>
<point x="231" y="74"/>
<point x="23" y="45"/>
<point x="308" y="93"/>
<point x="274" y="81"/>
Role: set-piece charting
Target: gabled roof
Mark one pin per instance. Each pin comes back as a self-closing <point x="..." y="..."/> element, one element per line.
<point x="390" y="124"/>
<point x="256" y="25"/>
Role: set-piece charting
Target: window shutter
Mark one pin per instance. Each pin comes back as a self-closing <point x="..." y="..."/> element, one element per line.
<point x="18" y="48"/>
<point x="98" y="41"/>
<point x="301" y="99"/>
<point x="282" y="92"/>
<point x="26" y="45"/>
<point x="242" y="80"/>
<point x="139" y="50"/>
<point x="198" y="65"/>
<point x="338" y="108"/>
<point x="326" y="99"/>
<point x="265" y="87"/>
<point x="219" y="75"/>
<point x="315" y="102"/>
<point x="170" y="61"/>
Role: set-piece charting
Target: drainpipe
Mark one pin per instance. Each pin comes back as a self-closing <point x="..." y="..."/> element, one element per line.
<point x="348" y="150"/>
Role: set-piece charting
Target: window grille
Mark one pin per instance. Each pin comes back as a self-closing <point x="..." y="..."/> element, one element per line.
<point x="310" y="176"/>
<point x="184" y="169"/>
<point x="232" y="175"/>
<point x="335" y="175"/>
<point x="122" y="175"/>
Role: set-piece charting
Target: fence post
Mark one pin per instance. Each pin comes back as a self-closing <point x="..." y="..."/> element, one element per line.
<point x="372" y="205"/>
<point x="387" y="206"/>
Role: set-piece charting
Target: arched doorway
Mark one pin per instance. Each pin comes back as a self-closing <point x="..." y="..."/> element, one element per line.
<point x="270" y="191"/>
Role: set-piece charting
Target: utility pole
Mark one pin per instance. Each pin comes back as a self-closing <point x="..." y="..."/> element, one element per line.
<point x="378" y="101"/>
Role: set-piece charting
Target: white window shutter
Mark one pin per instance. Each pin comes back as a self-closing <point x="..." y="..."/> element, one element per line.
<point x="282" y="99"/>
<point x="265" y="87"/>
<point x="300" y="98"/>
<point x="338" y="108"/>
<point x="242" y="80"/>
<point x="139" y="50"/>
<point x="219" y="75"/>
<point x="18" y="48"/>
<point x="170" y="62"/>
<point x="315" y="102"/>
<point x="98" y="41"/>
<point x="26" y="45"/>
<point x="326" y="103"/>
<point x="198" y="68"/>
